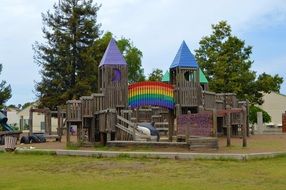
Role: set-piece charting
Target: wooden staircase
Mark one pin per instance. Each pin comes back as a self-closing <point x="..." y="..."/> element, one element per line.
<point x="203" y="142"/>
<point x="127" y="130"/>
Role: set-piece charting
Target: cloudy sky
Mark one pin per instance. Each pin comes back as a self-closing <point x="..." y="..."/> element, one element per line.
<point x="156" y="27"/>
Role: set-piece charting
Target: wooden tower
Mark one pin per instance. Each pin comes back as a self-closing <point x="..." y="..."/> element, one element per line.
<point x="184" y="75"/>
<point x="113" y="78"/>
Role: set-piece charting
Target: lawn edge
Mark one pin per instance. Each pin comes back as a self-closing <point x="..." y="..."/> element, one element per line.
<point x="153" y="155"/>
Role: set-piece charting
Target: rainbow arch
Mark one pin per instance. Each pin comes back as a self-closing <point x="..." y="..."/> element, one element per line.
<point x="151" y="93"/>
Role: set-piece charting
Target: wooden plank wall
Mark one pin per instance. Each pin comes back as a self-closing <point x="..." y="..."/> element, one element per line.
<point x="107" y="120"/>
<point x="209" y="100"/>
<point x="187" y="93"/>
<point x="74" y="110"/>
<point x="115" y="92"/>
<point x="87" y="106"/>
<point x="98" y="102"/>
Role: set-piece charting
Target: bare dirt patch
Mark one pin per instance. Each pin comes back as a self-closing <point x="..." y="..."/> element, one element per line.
<point x="255" y="144"/>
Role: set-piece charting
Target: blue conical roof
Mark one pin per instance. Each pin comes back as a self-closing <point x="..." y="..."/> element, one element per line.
<point x="112" y="55"/>
<point x="184" y="58"/>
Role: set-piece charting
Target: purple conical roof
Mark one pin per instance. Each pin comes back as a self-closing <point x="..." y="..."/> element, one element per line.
<point x="112" y="55"/>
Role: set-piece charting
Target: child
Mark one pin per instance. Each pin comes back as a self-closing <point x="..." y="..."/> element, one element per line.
<point x="72" y="131"/>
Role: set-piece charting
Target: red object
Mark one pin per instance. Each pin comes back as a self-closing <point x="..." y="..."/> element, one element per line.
<point x="284" y="122"/>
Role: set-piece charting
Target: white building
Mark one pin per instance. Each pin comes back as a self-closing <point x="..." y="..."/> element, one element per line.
<point x="274" y="104"/>
<point x="14" y="118"/>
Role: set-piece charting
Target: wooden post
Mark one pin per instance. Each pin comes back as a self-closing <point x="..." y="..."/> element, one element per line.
<point x="134" y="133"/>
<point x="247" y="117"/>
<point x="214" y="123"/>
<point x="228" y="130"/>
<point x="137" y="114"/>
<point x="60" y="124"/>
<point x="108" y="117"/>
<point x="260" y="122"/>
<point x="108" y="137"/>
<point x="188" y="129"/>
<point x="46" y="122"/>
<point x="68" y="132"/>
<point x="244" y="123"/>
<point x="102" y="138"/>
<point x="79" y="132"/>
<point x="92" y="130"/>
<point x="284" y="122"/>
<point x="31" y="122"/>
<point x="21" y="123"/>
<point x="171" y="124"/>
<point x="48" y="119"/>
<point x="201" y="109"/>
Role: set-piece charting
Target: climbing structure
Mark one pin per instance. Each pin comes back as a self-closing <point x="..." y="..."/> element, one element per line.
<point x="113" y="113"/>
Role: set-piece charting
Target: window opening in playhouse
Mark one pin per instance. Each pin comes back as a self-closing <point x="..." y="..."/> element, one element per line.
<point x="116" y="75"/>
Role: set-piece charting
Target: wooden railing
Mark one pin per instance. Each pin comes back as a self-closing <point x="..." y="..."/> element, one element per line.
<point x="131" y="130"/>
<point x="107" y="120"/>
<point x="98" y="103"/>
<point x="87" y="106"/>
<point x="74" y="113"/>
<point x="209" y="99"/>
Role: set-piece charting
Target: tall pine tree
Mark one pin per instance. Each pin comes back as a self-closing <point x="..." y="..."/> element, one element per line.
<point x="67" y="57"/>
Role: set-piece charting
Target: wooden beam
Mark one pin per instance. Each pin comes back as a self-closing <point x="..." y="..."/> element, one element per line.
<point x="68" y="132"/>
<point x="228" y="131"/>
<point x="171" y="124"/>
<point x="31" y="122"/>
<point x="214" y="123"/>
<point x="244" y="127"/>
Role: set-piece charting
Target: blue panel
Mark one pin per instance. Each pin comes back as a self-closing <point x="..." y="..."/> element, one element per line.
<point x="184" y="58"/>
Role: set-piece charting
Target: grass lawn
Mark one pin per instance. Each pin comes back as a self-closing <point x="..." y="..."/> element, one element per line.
<point x="23" y="171"/>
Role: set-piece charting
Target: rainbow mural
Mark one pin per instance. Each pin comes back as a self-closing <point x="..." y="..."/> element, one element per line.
<point x="151" y="93"/>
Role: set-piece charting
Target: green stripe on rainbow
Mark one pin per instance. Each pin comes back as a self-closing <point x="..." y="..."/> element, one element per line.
<point x="151" y="93"/>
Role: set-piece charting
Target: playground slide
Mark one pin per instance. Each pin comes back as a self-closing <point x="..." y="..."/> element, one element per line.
<point x="6" y="127"/>
<point x="3" y="123"/>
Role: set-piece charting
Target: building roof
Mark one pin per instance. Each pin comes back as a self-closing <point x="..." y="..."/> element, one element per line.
<point x="166" y="77"/>
<point x="112" y="55"/>
<point x="203" y="79"/>
<point x="184" y="58"/>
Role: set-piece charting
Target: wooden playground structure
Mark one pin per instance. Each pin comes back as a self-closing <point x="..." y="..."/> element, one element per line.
<point x="182" y="108"/>
<point x="60" y="114"/>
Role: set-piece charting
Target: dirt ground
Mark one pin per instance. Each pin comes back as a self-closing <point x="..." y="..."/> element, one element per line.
<point x="255" y="144"/>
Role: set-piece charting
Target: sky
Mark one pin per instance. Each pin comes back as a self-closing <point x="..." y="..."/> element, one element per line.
<point x="156" y="27"/>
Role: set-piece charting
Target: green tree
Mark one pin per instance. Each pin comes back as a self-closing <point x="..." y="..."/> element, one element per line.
<point x="156" y="75"/>
<point x="25" y="105"/>
<point x="253" y="115"/>
<point x="133" y="58"/>
<point x="225" y="59"/>
<point x="67" y="58"/>
<point x="267" y="83"/>
<point x="131" y="54"/>
<point x="5" y="91"/>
